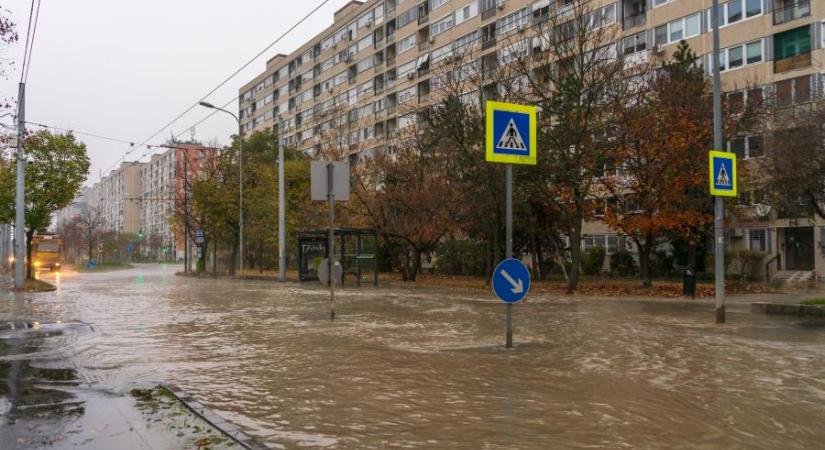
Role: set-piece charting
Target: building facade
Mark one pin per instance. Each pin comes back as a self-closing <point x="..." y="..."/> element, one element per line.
<point x="116" y="197"/>
<point x="166" y="182"/>
<point x="371" y="68"/>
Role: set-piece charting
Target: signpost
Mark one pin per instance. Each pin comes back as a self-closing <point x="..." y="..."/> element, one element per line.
<point x="511" y="139"/>
<point x="200" y="240"/>
<point x="722" y="177"/>
<point x="511" y="281"/>
<point x="330" y="181"/>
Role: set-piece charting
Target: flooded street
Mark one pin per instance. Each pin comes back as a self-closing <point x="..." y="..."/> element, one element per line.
<point x="424" y="368"/>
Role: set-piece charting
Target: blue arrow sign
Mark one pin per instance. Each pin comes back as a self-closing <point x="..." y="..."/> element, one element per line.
<point x="511" y="281"/>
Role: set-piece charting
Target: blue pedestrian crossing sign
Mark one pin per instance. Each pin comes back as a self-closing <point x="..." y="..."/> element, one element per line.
<point x="511" y="281"/>
<point x="511" y="133"/>
<point x="722" y="171"/>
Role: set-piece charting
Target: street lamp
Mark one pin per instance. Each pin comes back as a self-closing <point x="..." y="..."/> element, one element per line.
<point x="240" y="195"/>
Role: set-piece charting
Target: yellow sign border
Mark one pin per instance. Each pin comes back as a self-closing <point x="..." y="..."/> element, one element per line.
<point x="493" y="157"/>
<point x="723" y="192"/>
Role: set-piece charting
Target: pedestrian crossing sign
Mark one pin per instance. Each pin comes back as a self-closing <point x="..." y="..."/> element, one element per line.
<point x="722" y="167"/>
<point x="511" y="133"/>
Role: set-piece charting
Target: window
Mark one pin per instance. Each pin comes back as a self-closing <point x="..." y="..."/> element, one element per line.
<point x="406" y="43"/>
<point x="513" y="52"/>
<point x="792" y="43"/>
<point x="675" y="31"/>
<point x="365" y="88"/>
<point x="441" y="53"/>
<point x="737" y="10"/>
<point x="513" y="21"/>
<point x="407" y="17"/>
<point x="406" y="68"/>
<point x="635" y="43"/>
<point x="434" y="4"/>
<point x="466" y="13"/>
<point x="609" y="242"/>
<point x="365" y="43"/>
<point x="406" y="121"/>
<point x="741" y="55"/>
<point x="364" y="20"/>
<point x="753" y="8"/>
<point x="660" y="2"/>
<point x="407" y="95"/>
<point x="759" y="240"/>
<point x="441" y="25"/>
<point x="466" y="41"/>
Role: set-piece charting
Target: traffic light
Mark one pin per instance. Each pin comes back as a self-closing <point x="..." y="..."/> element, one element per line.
<point x="140" y="234"/>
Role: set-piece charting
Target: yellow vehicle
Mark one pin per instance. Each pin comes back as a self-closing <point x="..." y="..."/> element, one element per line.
<point x="47" y="252"/>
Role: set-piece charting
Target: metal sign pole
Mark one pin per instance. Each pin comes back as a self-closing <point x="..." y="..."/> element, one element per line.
<point x="331" y="259"/>
<point x="509" y="249"/>
<point x="719" y="202"/>
<point x="281" y="204"/>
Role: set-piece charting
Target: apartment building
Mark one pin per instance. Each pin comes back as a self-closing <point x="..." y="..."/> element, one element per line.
<point x="116" y="197"/>
<point x="165" y="182"/>
<point x="372" y="68"/>
<point x="74" y="211"/>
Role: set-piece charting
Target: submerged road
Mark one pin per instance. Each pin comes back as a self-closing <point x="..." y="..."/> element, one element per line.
<point x="426" y="368"/>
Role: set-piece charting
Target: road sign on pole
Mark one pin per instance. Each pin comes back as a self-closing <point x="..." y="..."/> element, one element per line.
<point x="330" y="181"/>
<point x="722" y="173"/>
<point x="511" y="133"/>
<point x="511" y="281"/>
<point x="511" y="139"/>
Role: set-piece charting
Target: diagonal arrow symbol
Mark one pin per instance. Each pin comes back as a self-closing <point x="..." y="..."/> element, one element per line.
<point x="518" y="286"/>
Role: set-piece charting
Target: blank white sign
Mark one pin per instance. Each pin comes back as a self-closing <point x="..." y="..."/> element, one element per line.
<point x="340" y="180"/>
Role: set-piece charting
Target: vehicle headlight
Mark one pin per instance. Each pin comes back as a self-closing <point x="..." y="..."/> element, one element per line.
<point x="57" y="264"/>
<point x="37" y="264"/>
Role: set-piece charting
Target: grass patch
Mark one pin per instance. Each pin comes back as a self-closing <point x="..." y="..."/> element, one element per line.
<point x="814" y="301"/>
<point x="104" y="267"/>
<point x="37" y="286"/>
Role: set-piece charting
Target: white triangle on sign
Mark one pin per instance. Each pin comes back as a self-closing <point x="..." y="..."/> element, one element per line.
<point x="511" y="138"/>
<point x="723" y="179"/>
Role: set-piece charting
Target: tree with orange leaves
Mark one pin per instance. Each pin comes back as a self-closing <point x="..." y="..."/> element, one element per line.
<point x="661" y="140"/>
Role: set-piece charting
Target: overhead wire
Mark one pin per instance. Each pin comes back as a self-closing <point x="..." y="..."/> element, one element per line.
<point x="221" y="84"/>
<point x="31" y="46"/>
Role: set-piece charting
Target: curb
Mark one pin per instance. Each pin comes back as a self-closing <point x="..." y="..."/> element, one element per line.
<point x="787" y="309"/>
<point x="218" y="422"/>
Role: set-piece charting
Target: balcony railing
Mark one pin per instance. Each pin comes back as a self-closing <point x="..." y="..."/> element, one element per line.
<point x="800" y="61"/>
<point x="788" y="11"/>
<point x="634" y="21"/>
<point x="488" y="43"/>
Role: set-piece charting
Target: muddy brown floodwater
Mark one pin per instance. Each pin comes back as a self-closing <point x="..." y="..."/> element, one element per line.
<point x="423" y="368"/>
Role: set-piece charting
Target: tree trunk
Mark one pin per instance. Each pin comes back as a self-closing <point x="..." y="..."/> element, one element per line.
<point x="215" y="258"/>
<point x="534" y="255"/>
<point x="29" y="262"/>
<point x="644" y="264"/>
<point x="575" y="256"/>
<point x="91" y="243"/>
<point x="691" y="257"/>
<point x="416" y="264"/>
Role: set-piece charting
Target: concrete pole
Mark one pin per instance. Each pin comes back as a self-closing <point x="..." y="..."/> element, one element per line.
<point x="331" y="259"/>
<point x="719" y="202"/>
<point x="281" y="204"/>
<point x="240" y="195"/>
<point x="20" y="203"/>
<point x="509" y="246"/>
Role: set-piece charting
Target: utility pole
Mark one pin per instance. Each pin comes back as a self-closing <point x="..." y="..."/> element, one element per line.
<point x="185" y="210"/>
<point x="719" y="202"/>
<point x="281" y="204"/>
<point x="20" y="204"/>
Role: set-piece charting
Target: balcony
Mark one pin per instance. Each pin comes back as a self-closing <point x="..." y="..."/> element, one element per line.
<point x="489" y="43"/>
<point x="791" y="10"/>
<point x="637" y="20"/>
<point x="800" y="61"/>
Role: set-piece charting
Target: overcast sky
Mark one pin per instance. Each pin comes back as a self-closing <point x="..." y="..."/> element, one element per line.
<point x="125" y="68"/>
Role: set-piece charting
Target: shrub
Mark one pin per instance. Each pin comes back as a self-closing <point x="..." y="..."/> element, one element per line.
<point x="661" y="264"/>
<point x="622" y="263"/>
<point x="460" y="257"/>
<point x="593" y="260"/>
<point x="750" y="264"/>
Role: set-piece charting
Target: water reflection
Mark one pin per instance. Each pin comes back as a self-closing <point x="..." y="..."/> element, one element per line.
<point x="426" y="369"/>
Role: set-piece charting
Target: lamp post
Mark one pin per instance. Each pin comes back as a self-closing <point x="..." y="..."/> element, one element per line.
<point x="240" y="195"/>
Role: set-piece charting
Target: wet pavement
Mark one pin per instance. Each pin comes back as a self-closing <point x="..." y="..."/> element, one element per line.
<point x="425" y="368"/>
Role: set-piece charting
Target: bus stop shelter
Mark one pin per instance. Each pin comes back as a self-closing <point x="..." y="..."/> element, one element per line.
<point x="355" y="248"/>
